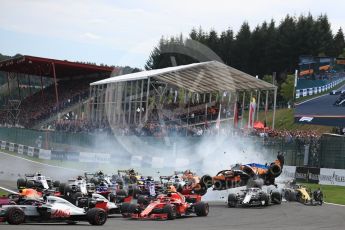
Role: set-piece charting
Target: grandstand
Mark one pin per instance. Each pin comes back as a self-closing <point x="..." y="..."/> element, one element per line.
<point x="177" y="99"/>
<point x="40" y="90"/>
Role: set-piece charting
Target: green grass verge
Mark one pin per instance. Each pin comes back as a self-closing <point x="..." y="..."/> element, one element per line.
<point x="332" y="193"/>
<point x="3" y="193"/>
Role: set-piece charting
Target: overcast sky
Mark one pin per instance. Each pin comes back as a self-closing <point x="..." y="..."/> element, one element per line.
<point x="124" y="32"/>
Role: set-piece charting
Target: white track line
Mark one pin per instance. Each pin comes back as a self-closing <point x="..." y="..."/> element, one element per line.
<point x="335" y="204"/>
<point x="40" y="163"/>
<point x="311" y="99"/>
<point x="8" y="190"/>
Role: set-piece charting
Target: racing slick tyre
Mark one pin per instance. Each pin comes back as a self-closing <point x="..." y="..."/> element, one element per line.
<point x="120" y="195"/>
<point x="206" y="180"/>
<point x="94" y="181"/>
<point x="62" y="188"/>
<point x="130" y="189"/>
<point x="276" y="197"/>
<point x="67" y="189"/>
<point x="56" y="184"/>
<point x="15" y="216"/>
<point x="201" y="208"/>
<point x="232" y="200"/>
<point x="30" y="184"/>
<point x="142" y="200"/>
<point x="200" y="189"/>
<point x="266" y="199"/>
<point x="133" y="208"/>
<point x="112" y="197"/>
<point x="170" y="210"/>
<point x="21" y="182"/>
<point x="96" y="216"/>
<point x="290" y="195"/>
<point x="299" y="198"/>
<point x="133" y="190"/>
<point x="125" y="210"/>
<point x="75" y="197"/>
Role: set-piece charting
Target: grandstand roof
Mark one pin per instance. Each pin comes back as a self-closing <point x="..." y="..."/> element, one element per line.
<point x="198" y="77"/>
<point x="43" y="67"/>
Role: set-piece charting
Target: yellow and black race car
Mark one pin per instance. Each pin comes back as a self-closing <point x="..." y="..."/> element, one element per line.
<point x="302" y="194"/>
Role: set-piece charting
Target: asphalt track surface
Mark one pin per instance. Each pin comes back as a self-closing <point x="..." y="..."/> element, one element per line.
<point x="321" y="106"/>
<point x="288" y="215"/>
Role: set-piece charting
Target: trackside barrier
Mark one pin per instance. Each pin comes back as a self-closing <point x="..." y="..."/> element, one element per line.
<point x="332" y="176"/>
<point x="324" y="176"/>
<point x="87" y="157"/>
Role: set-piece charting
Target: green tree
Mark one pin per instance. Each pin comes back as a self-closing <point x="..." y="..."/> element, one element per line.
<point x="338" y="43"/>
<point x="242" y="49"/>
<point x="287" y="87"/>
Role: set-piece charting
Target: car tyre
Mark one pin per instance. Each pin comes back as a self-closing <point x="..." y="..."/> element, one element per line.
<point x="21" y="182"/>
<point x="201" y="208"/>
<point x="232" y="200"/>
<point x="15" y="216"/>
<point x="96" y="216"/>
<point x="170" y="210"/>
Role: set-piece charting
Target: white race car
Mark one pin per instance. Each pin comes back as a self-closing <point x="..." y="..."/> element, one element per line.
<point x="254" y="197"/>
<point x="37" y="181"/>
<point x="53" y="209"/>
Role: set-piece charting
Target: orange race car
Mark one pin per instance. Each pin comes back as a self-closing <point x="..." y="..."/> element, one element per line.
<point x="241" y="175"/>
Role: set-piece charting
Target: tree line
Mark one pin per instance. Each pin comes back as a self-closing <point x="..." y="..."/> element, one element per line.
<point x="267" y="48"/>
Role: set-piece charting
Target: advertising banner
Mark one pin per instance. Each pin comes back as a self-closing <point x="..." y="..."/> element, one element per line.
<point x="302" y="174"/>
<point x="11" y="147"/>
<point x="313" y="175"/>
<point x="102" y="158"/>
<point x="332" y="176"/>
<point x="72" y="156"/>
<point x="20" y="149"/>
<point x="306" y="174"/>
<point x="288" y="173"/>
<point x="58" y="155"/>
<point x="3" y="145"/>
<point x="86" y="157"/>
<point x="31" y="151"/>
<point x="44" y="154"/>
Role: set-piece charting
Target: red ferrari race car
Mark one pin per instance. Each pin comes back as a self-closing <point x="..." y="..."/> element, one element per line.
<point x="242" y="175"/>
<point x="168" y="207"/>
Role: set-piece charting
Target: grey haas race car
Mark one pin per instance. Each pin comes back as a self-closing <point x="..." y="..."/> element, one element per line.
<point x="52" y="210"/>
<point x="254" y="197"/>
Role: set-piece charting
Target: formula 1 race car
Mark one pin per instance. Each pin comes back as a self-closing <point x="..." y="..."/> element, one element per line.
<point x="167" y="207"/>
<point x="241" y="175"/>
<point x="52" y="210"/>
<point x="37" y="181"/>
<point x="254" y="197"/>
<point x="94" y="201"/>
<point x="103" y="183"/>
<point x="340" y="101"/>
<point x="78" y="184"/>
<point x="303" y="195"/>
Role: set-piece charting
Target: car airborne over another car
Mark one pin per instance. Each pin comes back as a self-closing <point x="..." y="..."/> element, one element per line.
<point x="241" y="175"/>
